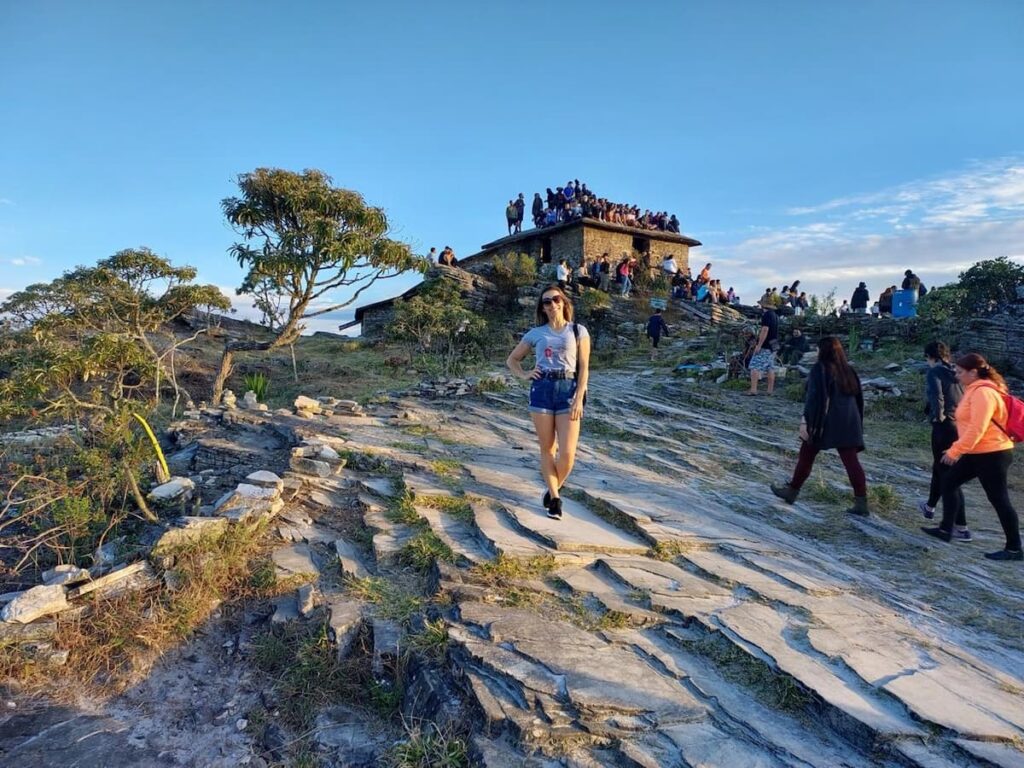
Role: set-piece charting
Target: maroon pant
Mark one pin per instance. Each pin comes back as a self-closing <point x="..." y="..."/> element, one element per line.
<point x="849" y="456"/>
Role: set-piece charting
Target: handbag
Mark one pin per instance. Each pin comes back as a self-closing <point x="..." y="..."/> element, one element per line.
<point x="576" y="333"/>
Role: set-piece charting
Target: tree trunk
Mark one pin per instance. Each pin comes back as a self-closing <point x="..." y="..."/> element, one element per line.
<point x="226" y="362"/>
<point x="295" y="367"/>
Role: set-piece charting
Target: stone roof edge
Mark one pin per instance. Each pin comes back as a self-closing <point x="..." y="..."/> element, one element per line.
<point x="596" y="224"/>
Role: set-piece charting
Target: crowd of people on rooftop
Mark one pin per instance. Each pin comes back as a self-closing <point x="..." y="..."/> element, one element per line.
<point x="576" y="201"/>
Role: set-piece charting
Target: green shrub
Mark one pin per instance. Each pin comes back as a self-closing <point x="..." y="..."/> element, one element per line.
<point x="258" y="383"/>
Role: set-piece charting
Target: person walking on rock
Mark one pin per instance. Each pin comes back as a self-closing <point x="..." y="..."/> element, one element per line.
<point x="656" y="328"/>
<point x="859" y="300"/>
<point x="944" y="393"/>
<point x="558" y="386"/>
<point x="833" y="418"/>
<point x="983" y="450"/>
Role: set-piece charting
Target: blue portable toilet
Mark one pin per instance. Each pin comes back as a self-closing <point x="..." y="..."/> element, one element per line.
<point x="904" y="303"/>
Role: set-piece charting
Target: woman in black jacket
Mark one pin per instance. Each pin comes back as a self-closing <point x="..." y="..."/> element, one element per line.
<point x="944" y="394"/>
<point x="833" y="418"/>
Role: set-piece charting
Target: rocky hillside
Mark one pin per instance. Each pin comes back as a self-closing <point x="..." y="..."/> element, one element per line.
<point x="429" y="613"/>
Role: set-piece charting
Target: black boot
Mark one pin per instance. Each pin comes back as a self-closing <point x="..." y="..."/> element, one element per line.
<point x="785" y="492"/>
<point x="860" y="507"/>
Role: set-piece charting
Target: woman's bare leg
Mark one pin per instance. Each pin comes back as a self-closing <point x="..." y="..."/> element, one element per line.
<point x="568" y="433"/>
<point x="544" y="425"/>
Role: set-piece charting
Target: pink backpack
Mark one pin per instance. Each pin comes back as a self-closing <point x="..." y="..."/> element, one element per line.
<point x="1014" y="426"/>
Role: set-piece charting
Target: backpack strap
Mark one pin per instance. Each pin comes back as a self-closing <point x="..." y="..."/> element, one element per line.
<point x="1002" y="396"/>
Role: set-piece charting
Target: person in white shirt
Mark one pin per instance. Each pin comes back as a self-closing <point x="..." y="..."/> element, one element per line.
<point x="669" y="266"/>
<point x="562" y="273"/>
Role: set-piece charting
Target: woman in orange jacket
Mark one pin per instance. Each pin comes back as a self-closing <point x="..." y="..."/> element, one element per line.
<point x="982" y="450"/>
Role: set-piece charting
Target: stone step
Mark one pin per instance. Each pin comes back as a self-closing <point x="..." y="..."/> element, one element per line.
<point x="579" y="530"/>
<point x="462" y="537"/>
<point x="503" y="535"/>
<point x="611" y="594"/>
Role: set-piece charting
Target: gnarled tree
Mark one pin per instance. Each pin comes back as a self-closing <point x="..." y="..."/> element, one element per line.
<point x="316" y="245"/>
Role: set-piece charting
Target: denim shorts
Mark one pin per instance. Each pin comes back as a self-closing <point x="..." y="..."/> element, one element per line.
<point x="551" y="395"/>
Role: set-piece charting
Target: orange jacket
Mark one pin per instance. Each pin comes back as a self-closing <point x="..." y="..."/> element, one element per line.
<point x="982" y="405"/>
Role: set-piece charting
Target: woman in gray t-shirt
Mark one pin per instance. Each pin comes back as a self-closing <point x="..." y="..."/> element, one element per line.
<point x="558" y="386"/>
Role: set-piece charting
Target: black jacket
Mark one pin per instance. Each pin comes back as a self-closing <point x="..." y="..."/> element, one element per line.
<point x="943" y="392"/>
<point x="834" y="420"/>
<point x="860" y="299"/>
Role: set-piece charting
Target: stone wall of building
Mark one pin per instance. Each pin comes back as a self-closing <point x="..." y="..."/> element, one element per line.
<point x="597" y="242"/>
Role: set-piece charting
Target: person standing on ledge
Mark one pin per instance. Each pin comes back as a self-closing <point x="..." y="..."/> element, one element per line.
<point x="763" y="360"/>
<point x="558" y="386"/>
<point x="983" y="450"/>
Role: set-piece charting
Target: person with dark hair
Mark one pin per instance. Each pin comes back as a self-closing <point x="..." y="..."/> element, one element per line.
<point x="656" y="328"/>
<point x="605" y="270"/>
<point x="911" y="282"/>
<point x="558" y="387"/>
<point x="982" y="450"/>
<point x="794" y="349"/>
<point x="763" y="359"/>
<point x="537" y="210"/>
<point x="859" y="300"/>
<point x="833" y="418"/>
<point x="520" y="205"/>
<point x="943" y="393"/>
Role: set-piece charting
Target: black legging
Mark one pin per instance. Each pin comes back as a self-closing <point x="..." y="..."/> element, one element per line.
<point x="943" y="436"/>
<point x="991" y="470"/>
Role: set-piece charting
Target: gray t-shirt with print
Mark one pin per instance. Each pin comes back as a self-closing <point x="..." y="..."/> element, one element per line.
<point x="555" y="350"/>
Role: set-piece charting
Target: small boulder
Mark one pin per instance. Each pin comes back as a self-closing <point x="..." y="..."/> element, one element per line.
<point x="186" y="530"/>
<point x="228" y="400"/>
<point x="65" y="574"/>
<point x="265" y="479"/>
<point x="250" y="401"/>
<point x="177" y="490"/>
<point x="305" y="599"/>
<point x="36" y="602"/>
<point x="303" y="403"/>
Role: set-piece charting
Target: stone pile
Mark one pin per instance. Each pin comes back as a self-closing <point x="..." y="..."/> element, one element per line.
<point x="308" y="407"/>
<point x="316" y="458"/>
<point x="460" y="387"/>
<point x="880" y="387"/>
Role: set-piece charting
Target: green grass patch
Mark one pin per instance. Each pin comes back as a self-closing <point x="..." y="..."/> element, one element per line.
<point x="390" y="599"/>
<point x="402" y="509"/>
<point x="503" y="569"/>
<point x="307" y="674"/>
<point x="446" y="467"/>
<point x="431" y="641"/>
<point x="456" y="506"/>
<point x="883" y="498"/>
<point x="423" y="549"/>
<point x="429" y="747"/>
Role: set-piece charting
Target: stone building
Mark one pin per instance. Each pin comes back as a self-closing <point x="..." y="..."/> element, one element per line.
<point x="572" y="241"/>
<point x="589" y="238"/>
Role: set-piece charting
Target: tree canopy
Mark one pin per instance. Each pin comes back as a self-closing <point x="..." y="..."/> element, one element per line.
<point x="316" y="246"/>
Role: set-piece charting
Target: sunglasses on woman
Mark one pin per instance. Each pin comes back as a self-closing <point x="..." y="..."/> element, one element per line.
<point x="547" y="302"/>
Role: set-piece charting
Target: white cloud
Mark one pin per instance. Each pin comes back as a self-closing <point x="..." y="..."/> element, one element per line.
<point x="24" y="261"/>
<point x="6" y="201"/>
<point x="938" y="227"/>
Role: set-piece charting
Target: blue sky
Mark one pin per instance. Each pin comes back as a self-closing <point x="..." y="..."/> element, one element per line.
<point x="830" y="142"/>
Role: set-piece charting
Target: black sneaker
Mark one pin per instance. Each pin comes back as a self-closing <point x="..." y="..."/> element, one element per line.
<point x="938" y="533"/>
<point x="1005" y="554"/>
<point x="555" y="509"/>
<point x="547" y="499"/>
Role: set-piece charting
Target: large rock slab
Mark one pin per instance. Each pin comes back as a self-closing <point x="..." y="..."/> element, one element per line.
<point x="764" y="631"/>
<point x="603" y="682"/>
<point x="351" y="559"/>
